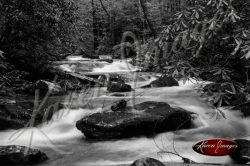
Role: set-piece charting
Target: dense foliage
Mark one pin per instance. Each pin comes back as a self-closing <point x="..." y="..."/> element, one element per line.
<point x="33" y="32"/>
<point x="206" y="39"/>
<point x="112" y="18"/>
<point x="12" y="81"/>
<point x="209" y="39"/>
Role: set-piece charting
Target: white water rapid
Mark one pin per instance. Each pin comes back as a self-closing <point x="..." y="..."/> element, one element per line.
<point x="65" y="145"/>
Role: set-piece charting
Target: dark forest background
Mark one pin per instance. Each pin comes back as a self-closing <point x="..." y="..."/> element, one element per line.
<point x="203" y="39"/>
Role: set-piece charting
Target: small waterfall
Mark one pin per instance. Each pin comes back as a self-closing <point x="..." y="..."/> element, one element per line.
<point x="117" y="67"/>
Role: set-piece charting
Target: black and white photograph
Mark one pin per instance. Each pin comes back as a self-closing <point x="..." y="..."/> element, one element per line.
<point x="124" y="82"/>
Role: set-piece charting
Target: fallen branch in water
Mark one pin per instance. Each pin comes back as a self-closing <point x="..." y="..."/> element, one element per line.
<point x="185" y="160"/>
<point x="162" y="151"/>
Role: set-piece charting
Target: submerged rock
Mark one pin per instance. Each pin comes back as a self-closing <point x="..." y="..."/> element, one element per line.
<point x="147" y="162"/>
<point x="118" y="87"/>
<point x="18" y="155"/>
<point x="106" y="60"/>
<point x="146" y="119"/>
<point x="242" y="155"/>
<point x="164" y="81"/>
<point x="121" y="105"/>
<point x="118" y="95"/>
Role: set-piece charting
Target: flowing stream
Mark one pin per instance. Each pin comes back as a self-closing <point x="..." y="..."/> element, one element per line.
<point x="65" y="145"/>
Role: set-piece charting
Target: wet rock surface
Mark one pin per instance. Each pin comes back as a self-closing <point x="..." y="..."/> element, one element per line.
<point x="118" y="87"/>
<point x="45" y="87"/>
<point x="15" y="114"/>
<point x="164" y="81"/>
<point x="20" y="155"/>
<point x="121" y="105"/>
<point x="147" y="162"/>
<point x="146" y="119"/>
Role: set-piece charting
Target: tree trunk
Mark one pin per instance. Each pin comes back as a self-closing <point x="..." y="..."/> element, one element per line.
<point x="145" y="13"/>
<point x="95" y="26"/>
<point x="161" y="11"/>
<point x="112" y="30"/>
<point x="111" y="21"/>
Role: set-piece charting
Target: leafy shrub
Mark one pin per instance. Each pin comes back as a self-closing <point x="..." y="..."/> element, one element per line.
<point x="211" y="37"/>
<point x="33" y="32"/>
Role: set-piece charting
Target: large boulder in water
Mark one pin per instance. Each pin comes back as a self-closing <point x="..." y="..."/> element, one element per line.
<point x="13" y="116"/>
<point x="19" y="155"/>
<point x="19" y="113"/>
<point x="147" y="162"/>
<point x="242" y="155"/>
<point x="118" y="87"/>
<point x="146" y="119"/>
<point x="119" y="106"/>
<point x="164" y="81"/>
